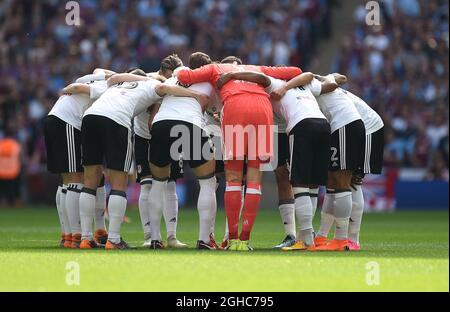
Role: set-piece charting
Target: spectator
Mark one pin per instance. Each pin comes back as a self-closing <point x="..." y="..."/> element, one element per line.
<point x="401" y="69"/>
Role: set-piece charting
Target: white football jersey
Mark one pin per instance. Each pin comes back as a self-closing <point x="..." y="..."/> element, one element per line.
<point x="372" y="121"/>
<point x="298" y="103"/>
<point x="338" y="108"/>
<point x="186" y="109"/>
<point x="140" y="123"/>
<point x="70" y="108"/>
<point x="125" y="101"/>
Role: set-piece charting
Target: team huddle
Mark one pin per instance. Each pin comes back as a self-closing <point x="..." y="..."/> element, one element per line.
<point x="222" y="119"/>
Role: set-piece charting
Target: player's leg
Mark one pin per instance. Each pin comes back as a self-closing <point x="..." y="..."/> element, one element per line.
<point x="233" y="200"/>
<point x="87" y="203"/>
<point x="160" y="165"/>
<point x="203" y="165"/>
<point x="259" y="150"/>
<point x="301" y="144"/>
<point x="373" y="164"/>
<point x="56" y="143"/>
<point x="286" y="205"/>
<point x="93" y="151"/>
<point x="171" y="206"/>
<point x="119" y="157"/>
<point x="74" y="182"/>
<point x="156" y="202"/>
<point x="116" y="208"/>
<point x="357" y="211"/>
<point x="351" y="158"/>
<point x="144" y="178"/>
<point x="100" y="235"/>
<point x="207" y="202"/>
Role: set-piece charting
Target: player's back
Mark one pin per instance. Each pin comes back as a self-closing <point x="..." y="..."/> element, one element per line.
<point x="184" y="108"/>
<point x="338" y="108"/>
<point x="298" y="103"/>
<point x="124" y="101"/>
<point x="70" y="108"/>
<point x="238" y="87"/>
<point x="372" y="121"/>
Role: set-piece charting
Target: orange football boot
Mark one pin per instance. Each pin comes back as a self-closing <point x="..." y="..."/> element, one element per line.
<point x="76" y="241"/>
<point x="320" y="241"/>
<point x="68" y="241"/>
<point x="334" y="245"/>
<point x="101" y="237"/>
<point x="87" y="244"/>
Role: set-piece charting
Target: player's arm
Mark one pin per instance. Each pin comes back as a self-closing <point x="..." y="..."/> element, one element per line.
<point x="329" y="84"/>
<point x="76" y="88"/>
<point x="202" y="74"/>
<point x="284" y="73"/>
<point x="300" y="80"/>
<point x="153" y="111"/>
<point x="249" y="76"/>
<point x="119" y="78"/>
<point x="163" y="90"/>
<point x="157" y="77"/>
<point x="108" y="73"/>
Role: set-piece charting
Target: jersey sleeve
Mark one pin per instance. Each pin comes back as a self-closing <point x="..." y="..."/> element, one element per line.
<point x="315" y="86"/>
<point x="202" y="74"/>
<point x="284" y="73"/>
<point x="274" y="84"/>
<point x="91" y="77"/>
<point x="151" y="85"/>
<point x="96" y="90"/>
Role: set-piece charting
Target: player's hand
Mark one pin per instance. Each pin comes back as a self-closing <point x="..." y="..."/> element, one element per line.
<point x="223" y="80"/>
<point x="203" y="100"/>
<point x="278" y="93"/>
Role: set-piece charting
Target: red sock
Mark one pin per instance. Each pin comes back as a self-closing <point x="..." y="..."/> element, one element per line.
<point x="251" y="207"/>
<point x="233" y="195"/>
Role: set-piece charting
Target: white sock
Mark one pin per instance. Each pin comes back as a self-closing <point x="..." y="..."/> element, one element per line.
<point x="156" y="204"/>
<point x="171" y="209"/>
<point x="62" y="207"/>
<point x="58" y="209"/>
<point x="314" y="194"/>
<point x="206" y="205"/>
<point x="357" y="214"/>
<point x="144" y="211"/>
<point x="214" y="212"/>
<point x="73" y="206"/>
<point x="100" y="206"/>
<point x="303" y="212"/>
<point x="117" y="207"/>
<point x="327" y="216"/>
<point x="287" y="212"/>
<point x="342" y="211"/>
<point x="87" y="211"/>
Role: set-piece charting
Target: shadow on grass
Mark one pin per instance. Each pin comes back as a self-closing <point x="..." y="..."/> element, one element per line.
<point x="372" y="252"/>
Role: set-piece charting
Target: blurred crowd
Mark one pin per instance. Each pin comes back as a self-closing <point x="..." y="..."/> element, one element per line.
<point x="40" y="53"/>
<point x="401" y="68"/>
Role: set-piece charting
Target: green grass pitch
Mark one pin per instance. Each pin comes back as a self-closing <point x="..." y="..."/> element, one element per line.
<point x="409" y="248"/>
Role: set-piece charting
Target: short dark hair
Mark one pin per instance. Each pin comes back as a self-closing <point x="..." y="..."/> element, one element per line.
<point x="136" y="71"/>
<point x="199" y="59"/>
<point x="231" y="59"/>
<point x="171" y="62"/>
